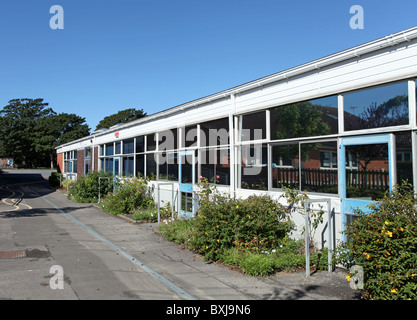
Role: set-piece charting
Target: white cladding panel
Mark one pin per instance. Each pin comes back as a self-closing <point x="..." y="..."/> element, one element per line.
<point x="387" y="65"/>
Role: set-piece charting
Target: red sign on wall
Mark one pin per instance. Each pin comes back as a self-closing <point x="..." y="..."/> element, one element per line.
<point x="116" y="134"/>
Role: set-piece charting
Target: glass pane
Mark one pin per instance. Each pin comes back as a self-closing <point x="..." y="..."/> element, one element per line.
<point x="128" y="166"/>
<point x="254" y="169"/>
<point x="215" y="132"/>
<point x="187" y="201"/>
<point x="128" y="146"/>
<point x="253" y="126"/>
<point x="150" y="142"/>
<point x="367" y="177"/>
<point x="140" y="144"/>
<point x="377" y="107"/>
<point x="118" y="148"/>
<point x="168" y="140"/>
<point x="116" y="166"/>
<point x="215" y="165"/>
<point x="404" y="158"/>
<point x="140" y="165"/>
<point x="316" y="117"/>
<point x="319" y="167"/>
<point x="285" y="164"/>
<point x="151" y="166"/>
<point x="109" y="149"/>
<point x="190" y="137"/>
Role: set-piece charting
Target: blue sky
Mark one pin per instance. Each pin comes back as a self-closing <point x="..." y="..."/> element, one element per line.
<point x="153" y="55"/>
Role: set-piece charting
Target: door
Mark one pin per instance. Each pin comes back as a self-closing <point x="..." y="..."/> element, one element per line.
<point x="186" y="173"/>
<point x="367" y="171"/>
<point x="116" y="166"/>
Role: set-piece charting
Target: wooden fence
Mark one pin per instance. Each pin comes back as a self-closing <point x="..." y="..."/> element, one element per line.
<point x="326" y="178"/>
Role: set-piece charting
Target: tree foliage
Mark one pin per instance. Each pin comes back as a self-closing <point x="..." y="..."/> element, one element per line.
<point x="122" y="116"/>
<point x="30" y="131"/>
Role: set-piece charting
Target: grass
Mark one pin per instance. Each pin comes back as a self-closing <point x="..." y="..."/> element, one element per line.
<point x="287" y="257"/>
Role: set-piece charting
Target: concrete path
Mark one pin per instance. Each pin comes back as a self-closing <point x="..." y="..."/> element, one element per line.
<point x="105" y="257"/>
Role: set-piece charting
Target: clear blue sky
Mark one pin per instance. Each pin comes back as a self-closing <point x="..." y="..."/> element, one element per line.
<point x="112" y="55"/>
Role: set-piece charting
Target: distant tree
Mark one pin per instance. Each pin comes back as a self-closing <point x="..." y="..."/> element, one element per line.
<point x="122" y="116"/>
<point x="29" y="131"/>
<point x="55" y="130"/>
<point x="17" y="127"/>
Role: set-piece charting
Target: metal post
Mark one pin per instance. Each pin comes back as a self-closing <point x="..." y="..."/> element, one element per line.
<point x="307" y="231"/>
<point x="330" y="245"/>
<point x="307" y="240"/>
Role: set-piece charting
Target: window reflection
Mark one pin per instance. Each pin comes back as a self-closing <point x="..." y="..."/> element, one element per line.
<point x="285" y="166"/>
<point x="253" y="126"/>
<point x="377" y="107"/>
<point x="319" y="167"/>
<point x="370" y="178"/>
<point x="254" y="168"/>
<point x="316" y="117"/>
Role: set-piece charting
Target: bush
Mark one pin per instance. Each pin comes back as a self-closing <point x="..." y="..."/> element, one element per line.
<point x="55" y="179"/>
<point x="86" y="188"/>
<point x="132" y="193"/>
<point x="384" y="244"/>
<point x="253" y="224"/>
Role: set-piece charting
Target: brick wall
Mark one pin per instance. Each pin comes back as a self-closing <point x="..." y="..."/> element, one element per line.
<point x="60" y="162"/>
<point x="80" y="162"/>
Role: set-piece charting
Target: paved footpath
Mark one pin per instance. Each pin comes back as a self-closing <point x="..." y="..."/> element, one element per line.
<point x="106" y="257"/>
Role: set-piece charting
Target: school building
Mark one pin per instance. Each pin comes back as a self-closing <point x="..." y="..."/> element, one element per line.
<point x="341" y="128"/>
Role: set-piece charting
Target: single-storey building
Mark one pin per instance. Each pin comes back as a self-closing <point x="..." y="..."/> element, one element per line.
<point x="341" y="128"/>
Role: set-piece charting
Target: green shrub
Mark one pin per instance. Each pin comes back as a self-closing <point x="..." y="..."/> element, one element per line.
<point x="252" y="224"/>
<point x="86" y="188"/>
<point x="55" y="179"/>
<point x="384" y="244"/>
<point x="132" y="193"/>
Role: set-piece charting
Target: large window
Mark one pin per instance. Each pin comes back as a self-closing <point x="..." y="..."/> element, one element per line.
<point x="316" y="117"/>
<point x="140" y="144"/>
<point x="253" y="126"/>
<point x="308" y="167"/>
<point x="319" y="167"/>
<point x="168" y="140"/>
<point x="151" y="166"/>
<point x="128" y="146"/>
<point x="215" y="133"/>
<point x="168" y="166"/>
<point x="128" y="169"/>
<point x="215" y="165"/>
<point x="377" y="107"/>
<point x="254" y="168"/>
<point x="285" y="166"/>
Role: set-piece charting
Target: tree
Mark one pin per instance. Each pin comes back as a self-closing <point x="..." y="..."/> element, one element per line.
<point x="17" y="126"/>
<point x="55" y="130"/>
<point x="29" y="131"/>
<point x="122" y="116"/>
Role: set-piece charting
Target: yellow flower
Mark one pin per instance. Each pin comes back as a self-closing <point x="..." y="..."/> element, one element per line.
<point x="237" y="207"/>
<point x="401" y="229"/>
<point x="348" y="277"/>
<point x="249" y="217"/>
<point x="386" y="222"/>
<point x="394" y="290"/>
<point x="367" y="255"/>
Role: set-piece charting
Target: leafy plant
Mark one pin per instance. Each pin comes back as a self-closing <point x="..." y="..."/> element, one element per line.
<point x="87" y="186"/>
<point x="384" y="244"/>
<point x="132" y="193"/>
